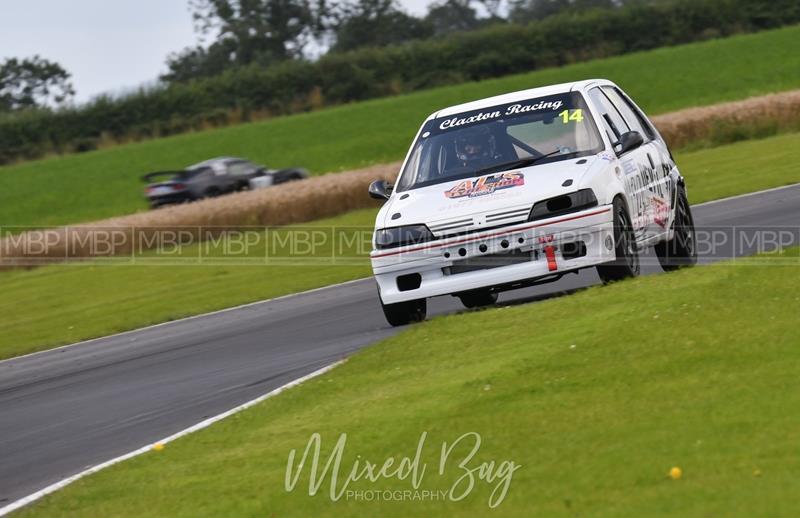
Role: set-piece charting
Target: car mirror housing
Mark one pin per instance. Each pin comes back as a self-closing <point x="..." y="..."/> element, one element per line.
<point x="628" y="141"/>
<point x="380" y="190"/>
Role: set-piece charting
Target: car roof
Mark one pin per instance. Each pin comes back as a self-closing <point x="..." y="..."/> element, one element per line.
<point x="518" y="96"/>
<point x="223" y="160"/>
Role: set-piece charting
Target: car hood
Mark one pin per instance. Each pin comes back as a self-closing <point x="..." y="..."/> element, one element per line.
<point x="486" y="201"/>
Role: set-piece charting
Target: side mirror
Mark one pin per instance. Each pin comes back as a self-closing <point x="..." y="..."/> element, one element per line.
<point x="380" y="190"/>
<point x="628" y="141"/>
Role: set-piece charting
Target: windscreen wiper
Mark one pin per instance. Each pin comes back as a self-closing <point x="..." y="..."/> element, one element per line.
<point x="522" y="162"/>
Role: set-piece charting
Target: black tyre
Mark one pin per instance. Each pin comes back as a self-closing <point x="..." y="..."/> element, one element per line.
<point x="404" y="313"/>
<point x="627" y="262"/>
<point x="477" y="298"/>
<point x="681" y="250"/>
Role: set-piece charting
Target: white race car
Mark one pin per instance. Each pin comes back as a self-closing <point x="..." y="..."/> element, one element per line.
<point x="521" y="188"/>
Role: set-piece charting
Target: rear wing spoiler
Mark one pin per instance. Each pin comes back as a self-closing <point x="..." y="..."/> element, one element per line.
<point x="149" y="177"/>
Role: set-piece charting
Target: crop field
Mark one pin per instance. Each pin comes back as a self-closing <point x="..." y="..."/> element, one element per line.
<point x="62" y="304"/>
<point x="593" y="415"/>
<point x="105" y="183"/>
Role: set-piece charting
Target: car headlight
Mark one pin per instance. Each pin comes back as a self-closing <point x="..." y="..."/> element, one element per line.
<point x="565" y="204"/>
<point x="401" y="236"/>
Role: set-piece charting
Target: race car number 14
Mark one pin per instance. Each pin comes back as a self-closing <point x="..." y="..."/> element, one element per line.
<point x="571" y="115"/>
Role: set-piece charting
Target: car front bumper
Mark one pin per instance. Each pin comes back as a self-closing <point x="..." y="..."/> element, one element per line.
<point x="498" y="258"/>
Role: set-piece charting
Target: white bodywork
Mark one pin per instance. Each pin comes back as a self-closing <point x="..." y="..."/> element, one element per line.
<point x="262" y="182"/>
<point x="645" y="178"/>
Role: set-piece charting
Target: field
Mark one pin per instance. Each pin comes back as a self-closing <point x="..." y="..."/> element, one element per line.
<point x="105" y="183"/>
<point x="594" y="407"/>
<point x="55" y="305"/>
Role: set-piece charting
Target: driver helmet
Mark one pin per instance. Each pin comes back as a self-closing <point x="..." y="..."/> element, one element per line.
<point x="475" y="145"/>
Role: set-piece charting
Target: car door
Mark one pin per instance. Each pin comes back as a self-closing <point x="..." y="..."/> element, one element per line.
<point x="240" y="173"/>
<point x="634" y="163"/>
<point x="657" y="168"/>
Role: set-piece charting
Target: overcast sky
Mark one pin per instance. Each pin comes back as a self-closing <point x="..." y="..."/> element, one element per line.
<point x="107" y="45"/>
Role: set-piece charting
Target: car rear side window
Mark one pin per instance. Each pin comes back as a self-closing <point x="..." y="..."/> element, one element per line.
<point x="632" y="116"/>
<point x="240" y="168"/>
<point x="609" y="113"/>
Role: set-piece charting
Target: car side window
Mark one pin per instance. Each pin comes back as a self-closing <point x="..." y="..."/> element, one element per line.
<point x="609" y="113"/>
<point x="648" y="126"/>
<point x="219" y="168"/>
<point x="607" y="128"/>
<point x="631" y="116"/>
<point x="204" y="174"/>
<point x="239" y="168"/>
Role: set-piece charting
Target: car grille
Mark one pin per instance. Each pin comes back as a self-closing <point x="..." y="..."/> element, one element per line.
<point x="508" y="216"/>
<point x="447" y="228"/>
<point x="487" y="262"/>
<point x="467" y="224"/>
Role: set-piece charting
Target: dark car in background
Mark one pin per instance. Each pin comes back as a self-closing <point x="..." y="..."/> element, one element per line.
<point x="213" y="178"/>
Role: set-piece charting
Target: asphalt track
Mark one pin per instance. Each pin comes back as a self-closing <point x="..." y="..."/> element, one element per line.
<point x="65" y="410"/>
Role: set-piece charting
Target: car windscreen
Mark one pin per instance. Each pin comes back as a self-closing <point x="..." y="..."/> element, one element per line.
<point x="547" y="129"/>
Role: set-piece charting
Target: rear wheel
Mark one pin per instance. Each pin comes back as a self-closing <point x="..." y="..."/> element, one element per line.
<point x="404" y="313"/>
<point x="477" y="298"/>
<point x="627" y="262"/>
<point x="681" y="250"/>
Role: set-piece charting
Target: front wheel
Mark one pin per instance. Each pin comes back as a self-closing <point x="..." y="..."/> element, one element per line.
<point x="404" y="313"/>
<point x="477" y="298"/>
<point x="679" y="251"/>
<point x="626" y="263"/>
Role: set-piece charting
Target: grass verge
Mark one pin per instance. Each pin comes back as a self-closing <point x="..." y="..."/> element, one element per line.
<point x="596" y="396"/>
<point x="61" y="304"/>
<point x="106" y="183"/>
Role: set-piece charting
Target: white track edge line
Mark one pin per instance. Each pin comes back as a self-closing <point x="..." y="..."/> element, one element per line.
<point x="144" y="449"/>
<point x="746" y="195"/>
<point x="184" y="319"/>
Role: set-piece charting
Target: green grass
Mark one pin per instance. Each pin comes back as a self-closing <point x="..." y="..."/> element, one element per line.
<point x="55" y="305"/>
<point x="742" y="167"/>
<point x="595" y="395"/>
<point x="105" y="183"/>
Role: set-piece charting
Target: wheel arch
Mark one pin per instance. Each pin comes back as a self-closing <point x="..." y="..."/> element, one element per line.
<point x="624" y="199"/>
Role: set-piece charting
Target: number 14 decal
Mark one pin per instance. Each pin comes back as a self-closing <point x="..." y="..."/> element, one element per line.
<point x="571" y="115"/>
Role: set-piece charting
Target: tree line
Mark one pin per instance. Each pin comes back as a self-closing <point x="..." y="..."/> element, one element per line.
<point x="266" y="32"/>
<point x="234" y="33"/>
